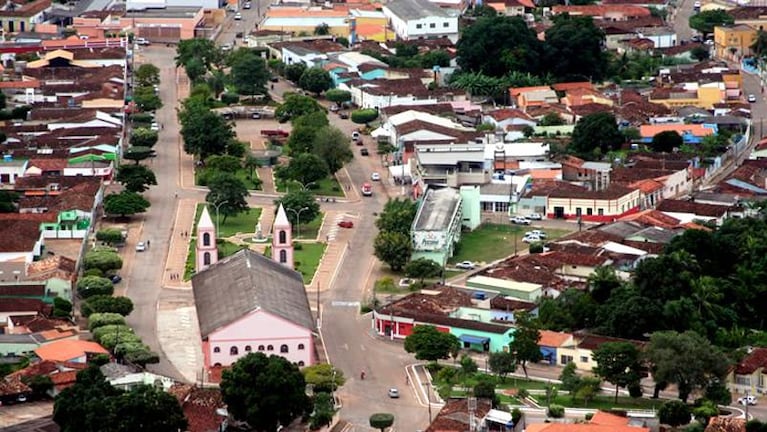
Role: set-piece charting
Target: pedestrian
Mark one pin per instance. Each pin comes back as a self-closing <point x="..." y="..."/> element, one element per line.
<point x="148" y="243"/>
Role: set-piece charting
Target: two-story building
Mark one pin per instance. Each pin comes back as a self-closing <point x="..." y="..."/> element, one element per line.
<point x="437" y="225"/>
<point x="22" y="16"/>
<point x="421" y="19"/>
<point x="734" y="42"/>
<point x="593" y="205"/>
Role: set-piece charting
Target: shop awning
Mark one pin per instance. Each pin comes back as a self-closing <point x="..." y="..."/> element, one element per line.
<point x="478" y="340"/>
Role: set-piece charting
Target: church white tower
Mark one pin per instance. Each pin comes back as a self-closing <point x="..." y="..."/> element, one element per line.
<point x="282" y="239"/>
<point x="207" y="253"/>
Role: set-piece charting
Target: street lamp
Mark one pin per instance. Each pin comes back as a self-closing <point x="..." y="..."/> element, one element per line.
<point x="298" y="219"/>
<point x="218" y="225"/>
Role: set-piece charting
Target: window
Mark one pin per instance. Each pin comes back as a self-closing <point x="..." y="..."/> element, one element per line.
<point x="578" y="211"/>
<point x="283" y="256"/>
<point x="206" y="258"/>
<point x="301" y="363"/>
<point x="206" y="239"/>
<point x="283" y="237"/>
<point x="445" y="24"/>
<point x="589" y="211"/>
<point x="584" y="359"/>
<point x="283" y="348"/>
<point x="418" y="26"/>
<point x="300" y="347"/>
<point x="432" y="25"/>
<point x="248" y="348"/>
<point x="233" y="351"/>
<point x="216" y="349"/>
<point x="260" y="347"/>
<point x="269" y="348"/>
<point x="601" y="212"/>
<point x="565" y="359"/>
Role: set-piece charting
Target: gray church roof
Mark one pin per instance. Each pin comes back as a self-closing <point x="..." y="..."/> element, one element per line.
<point x="244" y="282"/>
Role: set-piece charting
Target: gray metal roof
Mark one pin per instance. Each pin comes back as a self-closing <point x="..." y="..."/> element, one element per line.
<point x="244" y="282"/>
<point x="622" y="229"/>
<point x="656" y="235"/>
<point x="437" y="209"/>
<point x="416" y="9"/>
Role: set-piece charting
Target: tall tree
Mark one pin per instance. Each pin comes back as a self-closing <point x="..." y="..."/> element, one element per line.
<point x="422" y="268"/>
<point x="338" y="96"/>
<point x="495" y="45"/>
<point x="204" y="132"/>
<point x="393" y="248"/>
<point x="705" y="21"/>
<point x="136" y="178"/>
<point x="229" y="192"/>
<point x="266" y="392"/>
<point x="332" y="146"/>
<point x="199" y="49"/>
<point x="602" y="282"/>
<point x="759" y="47"/>
<point x="397" y="215"/>
<point x="137" y="154"/>
<point x="126" y="203"/>
<point x="143" y="137"/>
<point x="249" y="74"/>
<point x="574" y="49"/>
<point x="502" y="363"/>
<point x="294" y="71"/>
<point x="296" y="200"/>
<point x="296" y="105"/>
<point x="524" y="346"/>
<point x="685" y="359"/>
<point x="250" y="163"/>
<point x="666" y="141"/>
<point x="617" y="363"/>
<point x="595" y="135"/>
<point x="428" y="343"/>
<point x="305" y="168"/>
<point x="305" y="127"/>
<point x="315" y="80"/>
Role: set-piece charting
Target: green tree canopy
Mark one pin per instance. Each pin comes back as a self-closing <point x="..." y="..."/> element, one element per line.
<point x="135" y="178"/>
<point x="674" y="413"/>
<point x="397" y="216"/>
<point x="617" y="363"/>
<point x="338" y="96"/>
<point x="305" y="168"/>
<point x="222" y="163"/>
<point x="315" y="80"/>
<point x="595" y="135"/>
<point x="126" y="203"/>
<point x="381" y="421"/>
<point x="137" y="154"/>
<point x="229" y="193"/>
<point x="143" y="137"/>
<point x="109" y="235"/>
<point x="294" y="201"/>
<point x="249" y="74"/>
<point x="324" y="377"/>
<point x="495" y="45"/>
<point x="305" y="127"/>
<point x="524" y="346"/>
<point x="364" y="116"/>
<point x="294" y="71"/>
<point x="89" y="286"/>
<point x="265" y="392"/>
<point x="102" y="304"/>
<point x="146" y="99"/>
<point x="759" y="47"/>
<point x="201" y="50"/>
<point x="393" y="248"/>
<point x="204" y="132"/>
<point x="666" y="141"/>
<point x="332" y="146"/>
<point x="573" y="49"/>
<point x="296" y="105"/>
<point x="428" y="343"/>
<point x="147" y="75"/>
<point x="103" y="259"/>
<point x="705" y="21"/>
<point x="502" y="363"/>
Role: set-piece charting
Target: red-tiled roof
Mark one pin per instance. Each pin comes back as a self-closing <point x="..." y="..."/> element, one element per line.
<point x="67" y="350"/>
<point x="455" y="416"/>
<point x="553" y="339"/>
<point x="627" y="11"/>
<point x="698" y="209"/>
<point x="757" y="359"/>
<point x="24" y="305"/>
<point x="199" y="406"/>
<point x="592" y="341"/>
<point x="612" y="192"/>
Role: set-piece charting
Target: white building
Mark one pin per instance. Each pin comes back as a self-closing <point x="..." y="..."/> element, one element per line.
<point x="421" y="19"/>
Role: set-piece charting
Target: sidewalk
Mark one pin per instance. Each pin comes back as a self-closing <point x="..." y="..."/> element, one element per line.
<point x="186" y="161"/>
<point x="337" y="240"/>
<point x="267" y="180"/>
<point x="179" y="245"/>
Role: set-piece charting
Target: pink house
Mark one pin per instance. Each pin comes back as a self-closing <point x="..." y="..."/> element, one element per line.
<point x="250" y="303"/>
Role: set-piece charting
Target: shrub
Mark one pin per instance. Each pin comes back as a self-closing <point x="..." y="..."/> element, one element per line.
<point x="104" y="259"/>
<point x="142" y="357"/>
<point x="93" y="272"/>
<point x="556" y="411"/>
<point x="447" y="375"/>
<point x="102" y="303"/>
<point x="62" y="308"/>
<point x="111" y="340"/>
<point x="90" y="286"/>
<point x="364" y="116"/>
<point x="536" y="248"/>
<point x="109" y="235"/>
<point x="97" y="320"/>
<point x="101" y="332"/>
<point x="142" y="118"/>
<point x="674" y="413"/>
<point x="230" y="98"/>
<point x="516" y="416"/>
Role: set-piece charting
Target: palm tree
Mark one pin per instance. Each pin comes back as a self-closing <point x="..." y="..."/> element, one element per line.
<point x="250" y="163"/>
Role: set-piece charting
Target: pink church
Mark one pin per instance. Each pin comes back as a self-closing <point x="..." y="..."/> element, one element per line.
<point x="250" y="303"/>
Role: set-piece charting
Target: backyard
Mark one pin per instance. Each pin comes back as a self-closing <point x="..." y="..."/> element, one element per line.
<point x="491" y="242"/>
<point x="242" y="223"/>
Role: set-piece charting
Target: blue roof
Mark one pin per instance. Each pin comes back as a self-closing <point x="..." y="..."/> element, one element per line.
<point x="473" y="339"/>
<point x="748" y="186"/>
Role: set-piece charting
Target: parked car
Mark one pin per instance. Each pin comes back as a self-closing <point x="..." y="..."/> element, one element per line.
<point x="465" y="265"/>
<point x="375" y="176"/>
<point x="367" y="190"/>
<point x="255" y="116"/>
<point x="155" y="126"/>
<point x="534" y="216"/>
<point x="115" y="279"/>
<point x="364" y="152"/>
<point x="226" y="47"/>
<point x="536" y="233"/>
<point x="747" y="400"/>
<point x="393" y="393"/>
<point x="355" y="135"/>
<point x="246" y="5"/>
<point x="334" y="108"/>
<point x="519" y="220"/>
<point x="752" y="98"/>
<point x="238" y="16"/>
<point x="142" y="41"/>
<point x="406" y="282"/>
<point x="22" y="398"/>
<point x="531" y="239"/>
<point x="274" y="79"/>
<point x="343" y="115"/>
<point x="140" y="247"/>
<point x="346" y="224"/>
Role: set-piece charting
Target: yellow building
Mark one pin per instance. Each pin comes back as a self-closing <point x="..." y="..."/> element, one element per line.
<point x="24" y="16"/>
<point x="302" y="21"/>
<point x="734" y="43"/>
<point x="370" y="25"/>
<point x="705" y="96"/>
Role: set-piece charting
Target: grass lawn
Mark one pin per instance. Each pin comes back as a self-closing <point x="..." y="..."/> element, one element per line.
<point x="325" y="187"/>
<point x="490" y="242"/>
<point x="604" y="402"/>
<point x="241" y="174"/>
<point x="307" y="258"/>
<point x="310" y="230"/>
<point x="242" y="223"/>
<point x="225" y="249"/>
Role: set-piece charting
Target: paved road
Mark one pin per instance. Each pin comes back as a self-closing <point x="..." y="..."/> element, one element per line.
<point x="681" y="17"/>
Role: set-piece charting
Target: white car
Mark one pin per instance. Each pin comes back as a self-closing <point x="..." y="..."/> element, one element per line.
<point x="534" y="216"/>
<point x="406" y="282"/>
<point x="375" y="176"/>
<point x="531" y="239"/>
<point x="140" y="247"/>
<point x="747" y="400"/>
<point x="246" y="5"/>
<point x="536" y="233"/>
<point x="238" y="16"/>
<point x="465" y="265"/>
<point x="752" y="98"/>
<point x="519" y="220"/>
<point x="393" y="393"/>
<point x="155" y="126"/>
<point x="142" y="41"/>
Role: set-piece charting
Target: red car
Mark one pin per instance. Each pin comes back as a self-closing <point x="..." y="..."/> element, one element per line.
<point x="346" y="224"/>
